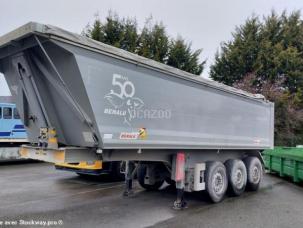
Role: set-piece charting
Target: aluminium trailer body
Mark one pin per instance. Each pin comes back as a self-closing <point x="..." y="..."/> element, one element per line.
<point x="81" y="100"/>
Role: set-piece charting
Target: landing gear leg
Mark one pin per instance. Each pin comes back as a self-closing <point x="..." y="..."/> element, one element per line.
<point x="129" y="175"/>
<point x="180" y="203"/>
<point x="179" y="164"/>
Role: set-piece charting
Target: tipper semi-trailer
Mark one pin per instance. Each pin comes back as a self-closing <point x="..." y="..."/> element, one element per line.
<point x="82" y="100"/>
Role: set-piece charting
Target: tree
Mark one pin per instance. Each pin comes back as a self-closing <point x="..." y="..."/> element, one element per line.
<point x="272" y="51"/>
<point x="270" y="48"/>
<point x="153" y="41"/>
<point x="113" y="30"/>
<point x="96" y="33"/>
<point x="266" y="56"/>
<point x="238" y="57"/>
<point x="181" y="56"/>
<point x="121" y="33"/>
<point x="130" y="35"/>
<point x="288" y="114"/>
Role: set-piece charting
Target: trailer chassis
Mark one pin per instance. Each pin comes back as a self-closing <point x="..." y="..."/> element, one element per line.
<point x="187" y="169"/>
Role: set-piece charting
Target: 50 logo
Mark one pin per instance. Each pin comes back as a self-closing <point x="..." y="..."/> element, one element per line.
<point x="122" y="99"/>
<point x="127" y="88"/>
<point x="124" y="103"/>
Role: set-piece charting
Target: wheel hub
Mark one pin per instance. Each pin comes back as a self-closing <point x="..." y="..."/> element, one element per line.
<point x="255" y="174"/>
<point x="239" y="178"/>
<point x="218" y="183"/>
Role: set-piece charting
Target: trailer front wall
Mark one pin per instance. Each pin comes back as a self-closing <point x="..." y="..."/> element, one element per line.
<point x="43" y="100"/>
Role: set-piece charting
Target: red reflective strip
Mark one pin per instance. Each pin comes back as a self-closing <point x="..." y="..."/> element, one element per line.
<point x="180" y="166"/>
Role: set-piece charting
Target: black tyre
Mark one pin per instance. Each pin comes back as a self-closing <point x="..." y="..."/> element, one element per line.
<point x="254" y="172"/>
<point x="216" y="181"/>
<point x="236" y="175"/>
<point x="141" y="172"/>
<point x="118" y="171"/>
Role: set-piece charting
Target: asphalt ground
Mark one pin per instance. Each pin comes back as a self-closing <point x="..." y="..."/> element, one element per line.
<point x="36" y="193"/>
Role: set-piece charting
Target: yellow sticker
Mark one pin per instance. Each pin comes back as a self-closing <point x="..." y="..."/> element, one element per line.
<point x="142" y="133"/>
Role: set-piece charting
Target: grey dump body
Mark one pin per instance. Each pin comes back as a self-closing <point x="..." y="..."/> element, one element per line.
<point x="99" y="96"/>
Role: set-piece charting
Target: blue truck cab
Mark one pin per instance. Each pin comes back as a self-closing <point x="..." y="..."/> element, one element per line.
<point x="11" y="127"/>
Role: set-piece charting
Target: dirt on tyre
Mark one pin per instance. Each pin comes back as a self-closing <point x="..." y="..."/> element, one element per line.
<point x="216" y="181"/>
<point x="254" y="172"/>
<point x="236" y="175"/>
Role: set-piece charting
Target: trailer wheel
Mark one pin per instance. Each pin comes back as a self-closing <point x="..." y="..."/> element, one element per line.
<point x="141" y="172"/>
<point x="236" y="175"/>
<point x="216" y="181"/>
<point x="254" y="172"/>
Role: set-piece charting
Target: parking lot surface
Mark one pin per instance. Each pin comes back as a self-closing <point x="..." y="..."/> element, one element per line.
<point x="36" y="192"/>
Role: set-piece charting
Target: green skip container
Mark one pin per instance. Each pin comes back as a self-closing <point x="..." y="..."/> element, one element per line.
<point x="286" y="161"/>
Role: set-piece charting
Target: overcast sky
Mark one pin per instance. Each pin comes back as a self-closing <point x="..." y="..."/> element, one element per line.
<point x="205" y="23"/>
